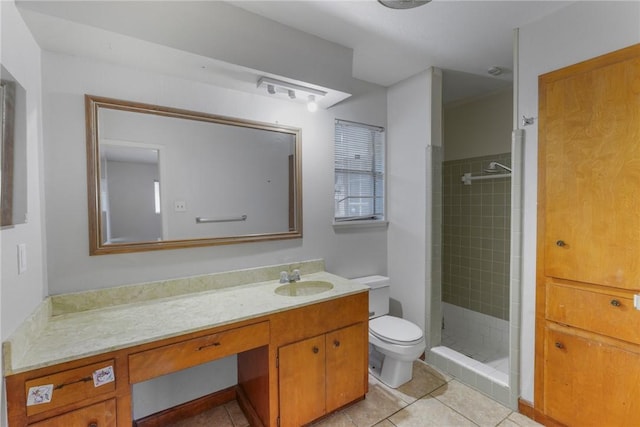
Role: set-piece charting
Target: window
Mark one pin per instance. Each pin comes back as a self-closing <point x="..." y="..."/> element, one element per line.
<point x="359" y="172"/>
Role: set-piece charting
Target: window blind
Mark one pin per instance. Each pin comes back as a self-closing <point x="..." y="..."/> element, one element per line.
<point x="359" y="171"/>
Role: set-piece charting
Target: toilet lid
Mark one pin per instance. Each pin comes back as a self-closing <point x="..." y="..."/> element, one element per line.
<point x="395" y="330"/>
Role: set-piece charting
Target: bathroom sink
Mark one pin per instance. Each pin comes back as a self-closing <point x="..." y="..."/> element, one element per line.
<point x="297" y="289"/>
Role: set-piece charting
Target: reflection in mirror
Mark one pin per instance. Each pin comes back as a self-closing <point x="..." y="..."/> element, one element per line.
<point x="162" y="178"/>
<point x="13" y="150"/>
<point x="130" y="201"/>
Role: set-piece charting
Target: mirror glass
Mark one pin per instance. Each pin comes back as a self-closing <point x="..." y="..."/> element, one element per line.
<point x="162" y="178"/>
<point x="13" y="150"/>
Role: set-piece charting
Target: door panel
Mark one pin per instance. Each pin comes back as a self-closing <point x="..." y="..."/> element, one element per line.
<point x="590" y="127"/>
<point x="346" y="365"/>
<point x="302" y="378"/>
<point x="590" y="383"/>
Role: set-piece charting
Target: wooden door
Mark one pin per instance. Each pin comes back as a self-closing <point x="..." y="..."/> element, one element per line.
<point x="590" y="170"/>
<point x="302" y="381"/>
<point x="346" y="365"/>
<point x="588" y="260"/>
<point x="101" y="414"/>
<point x="590" y="382"/>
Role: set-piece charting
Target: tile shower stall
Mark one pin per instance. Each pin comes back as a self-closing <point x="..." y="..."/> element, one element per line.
<point x="475" y="265"/>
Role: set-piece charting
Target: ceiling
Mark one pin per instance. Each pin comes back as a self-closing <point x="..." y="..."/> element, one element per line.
<point x="240" y="40"/>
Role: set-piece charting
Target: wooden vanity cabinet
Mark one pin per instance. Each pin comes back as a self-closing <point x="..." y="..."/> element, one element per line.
<point x="271" y="352"/>
<point x="321" y="364"/>
<point x="587" y="337"/>
<point x="321" y="374"/>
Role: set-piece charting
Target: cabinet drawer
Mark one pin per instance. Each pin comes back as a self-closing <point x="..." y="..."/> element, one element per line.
<point x="606" y="314"/>
<point x="101" y="414"/>
<point x="171" y="358"/>
<point x="69" y="386"/>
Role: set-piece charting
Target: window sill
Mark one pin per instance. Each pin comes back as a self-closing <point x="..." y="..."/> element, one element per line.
<point x="374" y="223"/>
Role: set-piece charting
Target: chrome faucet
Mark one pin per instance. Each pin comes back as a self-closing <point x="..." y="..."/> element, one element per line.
<point x="286" y="277"/>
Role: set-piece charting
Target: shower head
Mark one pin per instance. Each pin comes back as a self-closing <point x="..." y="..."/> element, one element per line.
<point x="493" y="167"/>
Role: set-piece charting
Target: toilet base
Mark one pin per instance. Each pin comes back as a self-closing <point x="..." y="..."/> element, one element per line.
<point x="391" y="372"/>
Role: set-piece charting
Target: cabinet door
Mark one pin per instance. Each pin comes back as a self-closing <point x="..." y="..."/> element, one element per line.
<point x="101" y="414"/>
<point x="346" y="365"/>
<point x="590" y="383"/>
<point x="590" y="161"/>
<point x="301" y="377"/>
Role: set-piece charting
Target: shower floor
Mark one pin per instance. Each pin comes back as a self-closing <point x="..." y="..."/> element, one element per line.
<point x="488" y="355"/>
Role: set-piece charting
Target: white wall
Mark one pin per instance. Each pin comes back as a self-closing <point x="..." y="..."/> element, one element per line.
<point x="20" y="294"/>
<point x="409" y="135"/>
<point x="573" y="34"/>
<point x="479" y="126"/>
<point x="66" y="79"/>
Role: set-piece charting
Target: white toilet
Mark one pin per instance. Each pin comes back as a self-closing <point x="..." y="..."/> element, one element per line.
<point x="394" y="343"/>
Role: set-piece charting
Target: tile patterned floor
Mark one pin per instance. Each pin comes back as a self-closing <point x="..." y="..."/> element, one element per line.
<point x="431" y="398"/>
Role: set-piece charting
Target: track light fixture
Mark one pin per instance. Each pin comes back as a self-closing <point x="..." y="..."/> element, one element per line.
<point x="292" y="91"/>
<point x="311" y="104"/>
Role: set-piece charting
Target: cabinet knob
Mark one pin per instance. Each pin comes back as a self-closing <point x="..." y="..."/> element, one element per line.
<point x="615" y="303"/>
<point x="336" y="343"/>
<point x="559" y="345"/>
<point x="561" y="243"/>
<point x="315" y="349"/>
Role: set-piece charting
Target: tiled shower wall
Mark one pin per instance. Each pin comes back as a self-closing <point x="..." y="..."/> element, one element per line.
<point x="476" y="237"/>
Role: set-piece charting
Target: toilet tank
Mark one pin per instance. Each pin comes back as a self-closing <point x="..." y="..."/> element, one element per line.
<point x="379" y="294"/>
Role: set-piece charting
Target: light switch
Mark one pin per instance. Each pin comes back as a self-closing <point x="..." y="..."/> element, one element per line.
<point x="22" y="258"/>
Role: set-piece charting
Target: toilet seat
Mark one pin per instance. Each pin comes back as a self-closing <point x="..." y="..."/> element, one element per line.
<point x="395" y="330"/>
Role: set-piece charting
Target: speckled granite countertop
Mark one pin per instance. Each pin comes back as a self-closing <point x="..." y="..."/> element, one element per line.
<point x="53" y="336"/>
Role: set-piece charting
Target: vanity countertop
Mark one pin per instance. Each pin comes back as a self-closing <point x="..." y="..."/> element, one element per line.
<point x="69" y="336"/>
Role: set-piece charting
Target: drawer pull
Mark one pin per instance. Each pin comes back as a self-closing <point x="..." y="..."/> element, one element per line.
<point x="559" y="345"/>
<point x="315" y="349"/>
<point x="93" y="424"/>
<point x="615" y="303"/>
<point x="561" y="243"/>
<point x="81" y="380"/>
<point x="214" y="344"/>
<point x="336" y="343"/>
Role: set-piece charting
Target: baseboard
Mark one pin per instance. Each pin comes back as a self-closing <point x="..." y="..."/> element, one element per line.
<point x="189" y="409"/>
<point x="527" y="409"/>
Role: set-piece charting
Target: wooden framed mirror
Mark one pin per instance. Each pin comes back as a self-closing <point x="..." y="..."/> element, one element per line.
<point x="166" y="178"/>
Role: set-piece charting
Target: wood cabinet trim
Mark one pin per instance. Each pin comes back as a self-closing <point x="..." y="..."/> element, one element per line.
<point x="166" y="359"/>
<point x="253" y="380"/>
<point x="541" y="323"/>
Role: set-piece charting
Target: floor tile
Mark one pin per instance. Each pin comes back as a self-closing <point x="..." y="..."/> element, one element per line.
<point x="425" y="380"/>
<point x="379" y="404"/>
<point x="472" y="404"/>
<point x="384" y="423"/>
<point x="339" y="419"/>
<point x="507" y="423"/>
<point x="522" y="420"/>
<point x="217" y="416"/>
<point x="428" y="412"/>
<point x="235" y="414"/>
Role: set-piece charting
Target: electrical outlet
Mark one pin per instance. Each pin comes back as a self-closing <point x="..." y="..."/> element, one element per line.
<point x="180" y="206"/>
